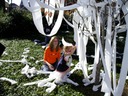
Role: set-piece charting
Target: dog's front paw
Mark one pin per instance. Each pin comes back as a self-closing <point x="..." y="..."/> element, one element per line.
<point x="76" y="84"/>
<point x="51" y="88"/>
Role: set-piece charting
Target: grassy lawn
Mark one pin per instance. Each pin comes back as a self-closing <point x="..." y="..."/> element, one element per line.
<point x="14" y="50"/>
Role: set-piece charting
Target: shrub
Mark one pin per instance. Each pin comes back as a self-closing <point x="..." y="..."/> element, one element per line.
<point x="4" y="22"/>
<point x="17" y="23"/>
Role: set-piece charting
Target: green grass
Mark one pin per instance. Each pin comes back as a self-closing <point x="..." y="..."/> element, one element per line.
<point x="15" y="48"/>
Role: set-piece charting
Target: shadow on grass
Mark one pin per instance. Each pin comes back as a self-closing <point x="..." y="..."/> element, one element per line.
<point x="22" y="36"/>
<point x="85" y="90"/>
<point x="1" y="89"/>
<point x="33" y="35"/>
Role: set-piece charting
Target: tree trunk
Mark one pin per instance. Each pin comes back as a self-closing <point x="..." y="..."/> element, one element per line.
<point x="98" y="68"/>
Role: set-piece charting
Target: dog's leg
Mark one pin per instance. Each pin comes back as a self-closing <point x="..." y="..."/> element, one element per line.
<point x="71" y="82"/>
<point x="43" y="82"/>
<point x="58" y="81"/>
<point x="77" y="66"/>
<point x="51" y="86"/>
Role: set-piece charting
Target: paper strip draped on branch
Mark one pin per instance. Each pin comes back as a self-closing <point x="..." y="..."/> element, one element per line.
<point x="87" y="22"/>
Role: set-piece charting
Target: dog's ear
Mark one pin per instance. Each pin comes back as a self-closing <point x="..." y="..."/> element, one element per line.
<point x="66" y="43"/>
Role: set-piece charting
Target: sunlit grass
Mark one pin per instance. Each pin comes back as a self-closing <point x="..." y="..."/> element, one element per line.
<point x="14" y="50"/>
